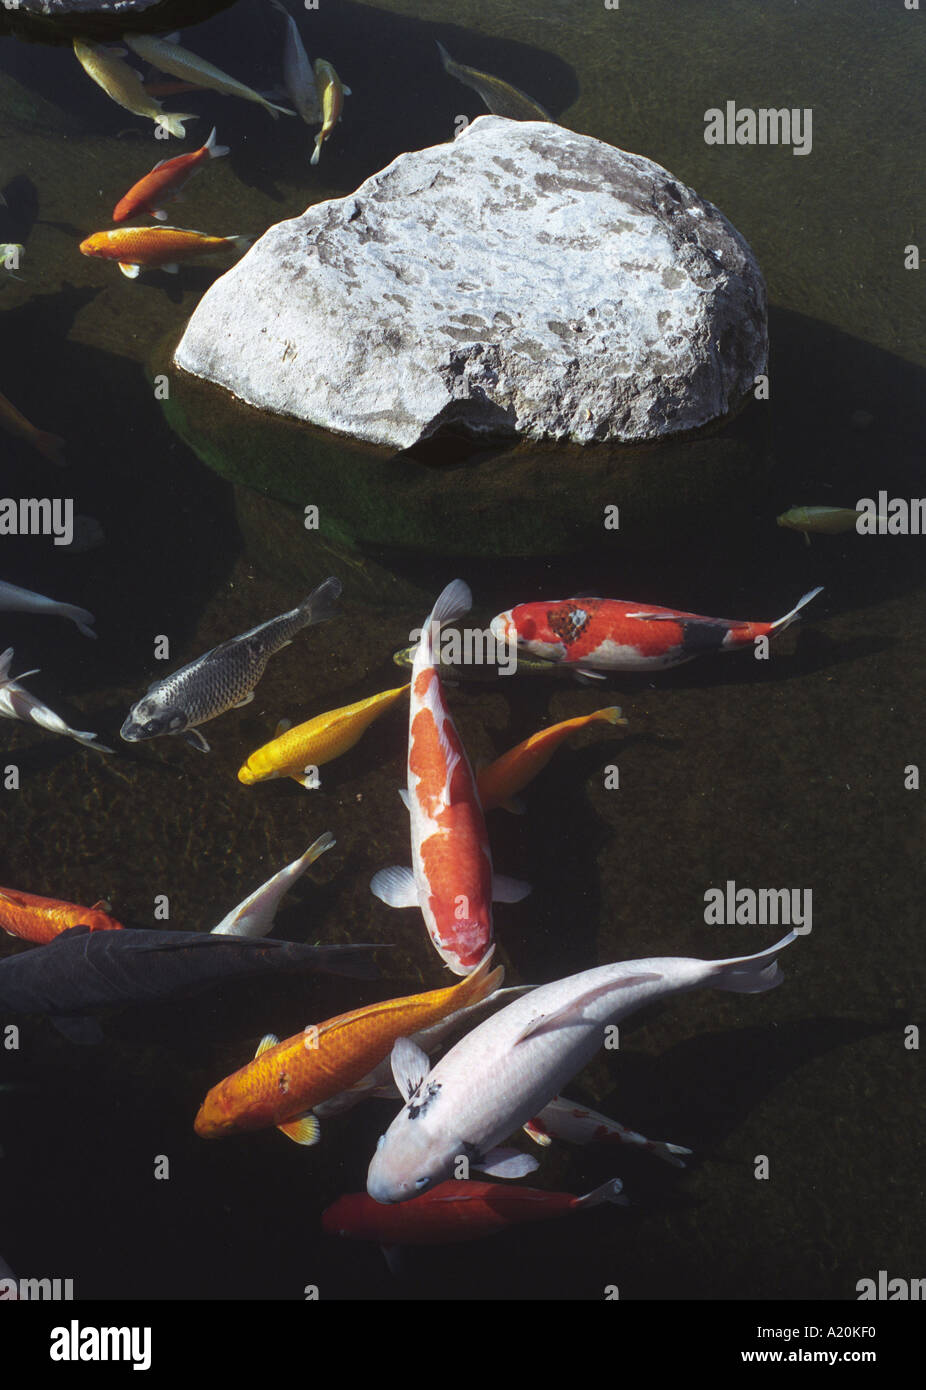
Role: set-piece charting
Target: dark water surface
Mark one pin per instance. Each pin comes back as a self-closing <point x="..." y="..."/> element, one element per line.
<point x="787" y="773"/>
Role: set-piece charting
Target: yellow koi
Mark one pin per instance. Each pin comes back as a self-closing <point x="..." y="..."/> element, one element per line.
<point x="123" y="86"/>
<point x="499" y="783"/>
<point x="331" y="92"/>
<point x="298" y="752"/>
<point x="827" y="521"/>
<point x="500" y="97"/>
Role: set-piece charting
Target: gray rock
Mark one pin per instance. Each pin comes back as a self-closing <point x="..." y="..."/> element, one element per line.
<point x="520" y="281"/>
<point x="54" y="9"/>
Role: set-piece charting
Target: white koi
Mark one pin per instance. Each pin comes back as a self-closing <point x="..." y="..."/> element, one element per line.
<point x="17" y="703"/>
<point x="254" y="916"/>
<point x="508" y="1068"/>
<point x="16" y="600"/>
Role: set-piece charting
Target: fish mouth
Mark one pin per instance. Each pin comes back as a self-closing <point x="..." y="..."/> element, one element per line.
<point x="131" y="731"/>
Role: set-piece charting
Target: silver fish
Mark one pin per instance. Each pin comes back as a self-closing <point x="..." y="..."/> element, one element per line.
<point x="297" y="71"/>
<point x="179" y="62"/>
<point x="16" y="600"/>
<point x="223" y="678"/>
<point x="17" y="703"/>
<point x="501" y="98"/>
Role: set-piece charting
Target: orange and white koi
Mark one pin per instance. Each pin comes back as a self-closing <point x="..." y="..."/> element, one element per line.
<point x="165" y="182"/>
<point x="331" y="92"/>
<point x="499" y="783"/>
<point x="456" y="1211"/>
<point x="156" y="248"/>
<point x="287" y="1079"/>
<point x="451" y="876"/>
<point x="15" y="423"/>
<point x="567" y="1120"/>
<point x="299" y="752"/>
<point x="42" y="919"/>
<point x="594" y="635"/>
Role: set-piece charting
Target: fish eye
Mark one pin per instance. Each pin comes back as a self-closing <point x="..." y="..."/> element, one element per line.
<point x="380" y="1142"/>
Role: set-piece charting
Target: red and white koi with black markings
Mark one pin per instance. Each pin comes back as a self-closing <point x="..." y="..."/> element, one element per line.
<point x="568" y="1120"/>
<point x="451" y="876"/>
<point x="601" y="634"/>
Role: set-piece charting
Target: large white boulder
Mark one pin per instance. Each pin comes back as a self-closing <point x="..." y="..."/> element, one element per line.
<point x="522" y="280"/>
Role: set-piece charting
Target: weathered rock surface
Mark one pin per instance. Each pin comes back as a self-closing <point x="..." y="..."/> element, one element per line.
<point x="520" y="281"/>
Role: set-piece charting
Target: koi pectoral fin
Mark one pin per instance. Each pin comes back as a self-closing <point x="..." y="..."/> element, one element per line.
<point x="507" y="1163"/>
<point x="395" y="887"/>
<point x="508" y="890"/>
<point x="306" y="1130"/>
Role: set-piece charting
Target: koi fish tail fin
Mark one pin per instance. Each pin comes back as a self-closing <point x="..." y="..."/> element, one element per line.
<point x="611" y="715"/>
<point x="50" y="447"/>
<point x="80" y="617"/>
<point x="89" y="740"/>
<point x="321" y="604"/>
<point x="791" y="617"/>
<point x="453" y="601"/>
<point x="6" y="661"/>
<point x="215" y="151"/>
<point x="751" y="974"/>
<point x="241" y="243"/>
<point x="172" y="121"/>
<point x="316" y="153"/>
<point x="276" y="111"/>
<point x="446" y="60"/>
<point x="480" y="983"/>
<point x="608" y="1192"/>
<point x="317" y="848"/>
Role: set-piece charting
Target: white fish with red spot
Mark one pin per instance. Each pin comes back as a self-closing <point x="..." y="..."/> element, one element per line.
<point x="506" y="1070"/>
<point x="451" y="877"/>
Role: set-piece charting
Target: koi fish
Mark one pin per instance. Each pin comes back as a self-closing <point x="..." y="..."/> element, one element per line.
<point x="16" y="600"/>
<point x="451" y="876"/>
<point x="81" y="971"/>
<point x="332" y="92"/>
<point x="15" y="423"/>
<point x="164" y="182"/>
<point x="500" y="97"/>
<point x="566" y="1119"/>
<point x="124" y="86"/>
<point x="156" y="248"/>
<point x="499" y="783"/>
<point x="379" y="1085"/>
<point x="189" y="67"/>
<point x="827" y="521"/>
<point x="42" y="919"/>
<point x="298" y="752"/>
<point x="223" y="678"/>
<point x="254" y="917"/>
<point x="17" y="703"/>
<point x="456" y="1211"/>
<point x="592" y="635"/>
<point x="508" y="1068"/>
<point x="287" y="1079"/>
<point x="297" y="71"/>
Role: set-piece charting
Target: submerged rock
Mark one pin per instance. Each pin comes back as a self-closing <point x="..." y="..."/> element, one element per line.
<point x="521" y="282"/>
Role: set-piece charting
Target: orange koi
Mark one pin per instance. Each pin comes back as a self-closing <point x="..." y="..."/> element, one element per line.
<point x="499" y="783"/>
<point x="155" y="248"/>
<point x="42" y="919"/>
<point x="164" y="182"/>
<point x="286" y="1079"/>
<point x="14" y="422"/>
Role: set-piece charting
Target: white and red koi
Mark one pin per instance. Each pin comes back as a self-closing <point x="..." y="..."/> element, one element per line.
<point x="601" y="634"/>
<point x="572" y="1122"/>
<point x="451" y="876"/>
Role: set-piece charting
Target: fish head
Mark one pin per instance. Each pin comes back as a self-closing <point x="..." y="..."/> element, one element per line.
<point x="149" y="718"/>
<point x="528" y="626"/>
<point x="95" y="245"/>
<point x="412" y="1156"/>
<point x="215" y="1116"/>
